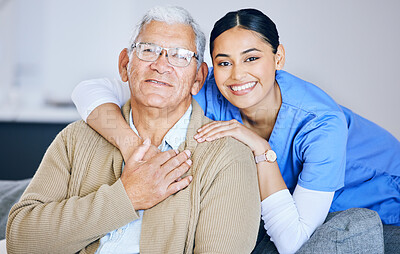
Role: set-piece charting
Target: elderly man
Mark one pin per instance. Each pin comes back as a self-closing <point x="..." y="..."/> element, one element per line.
<point x="85" y="199"/>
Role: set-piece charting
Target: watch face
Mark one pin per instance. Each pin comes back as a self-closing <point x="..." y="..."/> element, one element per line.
<point x="270" y="155"/>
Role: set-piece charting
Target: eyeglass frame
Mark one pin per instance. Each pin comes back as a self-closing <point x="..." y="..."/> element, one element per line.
<point x="191" y="53"/>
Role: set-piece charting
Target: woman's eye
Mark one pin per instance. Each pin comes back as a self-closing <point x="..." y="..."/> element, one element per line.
<point x="224" y="64"/>
<point x="251" y="59"/>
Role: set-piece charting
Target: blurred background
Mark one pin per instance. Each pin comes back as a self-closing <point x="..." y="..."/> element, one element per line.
<point x="349" y="48"/>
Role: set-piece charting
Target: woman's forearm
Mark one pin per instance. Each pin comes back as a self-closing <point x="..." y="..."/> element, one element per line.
<point x="108" y="121"/>
<point x="269" y="176"/>
<point x="291" y="220"/>
<point x="89" y="94"/>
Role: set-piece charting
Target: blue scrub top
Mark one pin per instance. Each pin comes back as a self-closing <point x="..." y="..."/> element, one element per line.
<point x="323" y="146"/>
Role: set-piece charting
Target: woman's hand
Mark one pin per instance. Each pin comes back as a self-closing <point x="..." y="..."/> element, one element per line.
<point x="232" y="128"/>
<point x="269" y="176"/>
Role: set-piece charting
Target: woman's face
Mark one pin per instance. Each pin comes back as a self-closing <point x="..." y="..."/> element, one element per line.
<point x="244" y="68"/>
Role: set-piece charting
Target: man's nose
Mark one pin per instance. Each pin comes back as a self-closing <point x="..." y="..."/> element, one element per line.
<point x="161" y="65"/>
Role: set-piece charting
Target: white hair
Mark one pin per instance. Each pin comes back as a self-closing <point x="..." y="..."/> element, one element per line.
<point x="172" y="15"/>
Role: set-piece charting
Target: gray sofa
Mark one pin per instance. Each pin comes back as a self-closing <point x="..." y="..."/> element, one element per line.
<point x="10" y="192"/>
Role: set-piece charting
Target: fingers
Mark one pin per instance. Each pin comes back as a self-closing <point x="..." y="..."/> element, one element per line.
<point x="175" y="164"/>
<point x="163" y="157"/>
<point x="209" y="126"/>
<point x="176" y="173"/>
<point x="216" y="130"/>
<point x="141" y="150"/>
<point x="177" y="161"/>
<point x="215" y="125"/>
<point x="149" y="182"/>
<point x="153" y="150"/>
<point x="178" y="185"/>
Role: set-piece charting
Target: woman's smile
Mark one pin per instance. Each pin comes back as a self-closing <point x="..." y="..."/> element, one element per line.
<point x="242" y="89"/>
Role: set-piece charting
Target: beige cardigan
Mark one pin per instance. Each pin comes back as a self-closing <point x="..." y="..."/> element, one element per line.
<point x="76" y="197"/>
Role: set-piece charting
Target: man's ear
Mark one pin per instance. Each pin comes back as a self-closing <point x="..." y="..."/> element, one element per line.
<point x="280" y="57"/>
<point x="123" y="64"/>
<point x="200" y="78"/>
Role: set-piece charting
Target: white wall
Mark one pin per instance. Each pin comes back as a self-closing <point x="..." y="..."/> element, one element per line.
<point x="7" y="49"/>
<point x="347" y="47"/>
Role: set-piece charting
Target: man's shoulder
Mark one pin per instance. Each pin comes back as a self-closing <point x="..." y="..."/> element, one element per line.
<point x="227" y="150"/>
<point x="226" y="159"/>
<point x="79" y="132"/>
<point x="78" y="128"/>
<point x="234" y="146"/>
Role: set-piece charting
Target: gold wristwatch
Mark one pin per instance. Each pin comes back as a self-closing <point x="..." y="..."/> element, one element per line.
<point x="269" y="156"/>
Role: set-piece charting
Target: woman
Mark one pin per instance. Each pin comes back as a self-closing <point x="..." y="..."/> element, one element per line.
<point x="313" y="156"/>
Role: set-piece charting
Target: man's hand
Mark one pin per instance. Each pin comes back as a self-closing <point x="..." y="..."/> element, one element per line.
<point x="128" y="149"/>
<point x="149" y="182"/>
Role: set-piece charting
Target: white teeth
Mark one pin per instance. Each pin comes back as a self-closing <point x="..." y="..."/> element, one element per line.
<point x="245" y="86"/>
<point x="154" y="81"/>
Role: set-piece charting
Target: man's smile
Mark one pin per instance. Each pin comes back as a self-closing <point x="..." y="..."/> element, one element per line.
<point x="157" y="82"/>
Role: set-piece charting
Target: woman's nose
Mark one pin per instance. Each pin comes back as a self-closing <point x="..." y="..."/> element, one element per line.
<point x="238" y="72"/>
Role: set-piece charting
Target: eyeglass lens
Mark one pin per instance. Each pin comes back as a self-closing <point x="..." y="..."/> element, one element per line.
<point x="176" y="56"/>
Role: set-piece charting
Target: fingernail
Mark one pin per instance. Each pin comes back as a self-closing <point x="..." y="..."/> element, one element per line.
<point x="199" y="130"/>
<point x="189" y="162"/>
<point x="176" y="151"/>
<point x="147" y="141"/>
<point x="196" y="136"/>
<point x="190" y="178"/>
<point x="200" y="140"/>
<point x="187" y="153"/>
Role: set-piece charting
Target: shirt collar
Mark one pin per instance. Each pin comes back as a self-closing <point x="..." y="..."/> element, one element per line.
<point x="175" y="136"/>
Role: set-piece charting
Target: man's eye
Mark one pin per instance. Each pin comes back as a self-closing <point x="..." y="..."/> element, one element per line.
<point x="179" y="53"/>
<point x="224" y="64"/>
<point x="148" y="50"/>
<point x="251" y="59"/>
<point x="179" y="56"/>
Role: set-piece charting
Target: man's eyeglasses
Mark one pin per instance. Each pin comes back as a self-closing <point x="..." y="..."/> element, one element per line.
<point x="151" y="52"/>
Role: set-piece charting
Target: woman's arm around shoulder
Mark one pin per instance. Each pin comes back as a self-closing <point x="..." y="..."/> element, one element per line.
<point x="98" y="102"/>
<point x="90" y="94"/>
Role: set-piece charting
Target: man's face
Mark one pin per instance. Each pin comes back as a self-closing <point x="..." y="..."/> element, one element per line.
<point x="159" y="84"/>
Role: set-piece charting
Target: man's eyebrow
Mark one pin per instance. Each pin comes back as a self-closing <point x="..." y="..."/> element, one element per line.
<point x="244" y="52"/>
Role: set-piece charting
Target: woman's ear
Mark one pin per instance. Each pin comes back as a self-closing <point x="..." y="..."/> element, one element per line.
<point x="280" y="57"/>
<point x="200" y="78"/>
<point x="123" y="64"/>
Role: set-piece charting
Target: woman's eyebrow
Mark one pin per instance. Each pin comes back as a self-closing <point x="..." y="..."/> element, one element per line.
<point x="242" y="53"/>
<point x="221" y="55"/>
<point x="250" y="50"/>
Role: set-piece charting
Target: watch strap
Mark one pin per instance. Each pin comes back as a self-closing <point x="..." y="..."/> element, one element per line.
<point x="260" y="158"/>
<point x="269" y="156"/>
